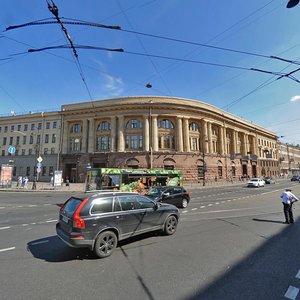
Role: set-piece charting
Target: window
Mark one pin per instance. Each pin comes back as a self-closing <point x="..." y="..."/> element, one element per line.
<point x="46" y="138"/>
<point x="134" y="142"/>
<point x="76" y="128"/>
<point x="31" y="139"/>
<point x="39" y="126"/>
<point x="133" y="124"/>
<point x="12" y="128"/>
<point x="102" y="206"/>
<point x="194" y="144"/>
<point x="220" y="171"/>
<point x="52" y="150"/>
<point x="17" y="152"/>
<point x="23" y="151"/>
<point x="45" y="150"/>
<point x="44" y="169"/>
<point x="103" y="143"/>
<point x="167" y="124"/>
<point x="129" y="202"/>
<point x="25" y="127"/>
<point x="54" y="125"/>
<point x="75" y="144"/>
<point x="48" y="125"/>
<point x="27" y="171"/>
<point x="144" y="202"/>
<point x="53" y="138"/>
<point x="5" y="129"/>
<point x="0" y="129"/>
<point x="24" y="139"/>
<point x="18" y="140"/>
<point x="38" y="139"/>
<point x="3" y="152"/>
<point x="194" y="127"/>
<point x="11" y="140"/>
<point x="104" y="126"/>
<point x="4" y="141"/>
<point x="19" y="127"/>
<point x="32" y="126"/>
<point x="30" y="151"/>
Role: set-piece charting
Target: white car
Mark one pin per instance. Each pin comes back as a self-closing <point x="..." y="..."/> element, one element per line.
<point x="255" y="182"/>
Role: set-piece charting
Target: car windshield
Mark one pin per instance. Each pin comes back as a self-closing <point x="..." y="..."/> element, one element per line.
<point x="155" y="191"/>
<point x="254" y="179"/>
<point x="71" y="206"/>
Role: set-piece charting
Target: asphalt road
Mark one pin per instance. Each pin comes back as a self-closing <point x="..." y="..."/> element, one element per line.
<point x="231" y="243"/>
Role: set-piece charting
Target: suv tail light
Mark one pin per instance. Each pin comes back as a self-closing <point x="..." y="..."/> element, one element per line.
<point x="187" y="193"/>
<point x="78" y="221"/>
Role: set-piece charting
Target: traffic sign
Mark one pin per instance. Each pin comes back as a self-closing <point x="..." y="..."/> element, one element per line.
<point x="39" y="159"/>
<point x="39" y="165"/>
<point x="39" y="170"/>
<point x="11" y="149"/>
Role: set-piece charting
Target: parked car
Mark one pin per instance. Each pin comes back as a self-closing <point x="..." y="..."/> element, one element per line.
<point x="98" y="221"/>
<point x="268" y="180"/>
<point x="295" y="178"/>
<point x="176" y="195"/>
<point x="256" y="182"/>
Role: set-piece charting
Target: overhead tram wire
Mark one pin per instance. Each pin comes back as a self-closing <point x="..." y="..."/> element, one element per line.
<point x="54" y="10"/>
<point x="87" y="47"/>
<point x="85" y="23"/>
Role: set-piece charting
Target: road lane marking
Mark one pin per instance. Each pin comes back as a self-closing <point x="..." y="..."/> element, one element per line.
<point x="185" y="211"/>
<point x="291" y="293"/>
<point x="7" y="249"/>
<point x="2" y="207"/>
<point x="50" y="221"/>
<point x="194" y="208"/>
<point x="202" y="206"/>
<point x="41" y="242"/>
<point x="7" y="227"/>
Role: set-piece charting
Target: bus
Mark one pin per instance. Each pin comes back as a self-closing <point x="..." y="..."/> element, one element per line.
<point x="131" y="179"/>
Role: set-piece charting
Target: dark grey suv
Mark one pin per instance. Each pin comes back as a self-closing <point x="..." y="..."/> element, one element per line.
<point x="98" y="221"/>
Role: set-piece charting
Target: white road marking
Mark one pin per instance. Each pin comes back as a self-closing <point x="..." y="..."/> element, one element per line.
<point x="185" y="211"/>
<point x="50" y="221"/>
<point x="7" y="227"/>
<point x="32" y="205"/>
<point x="25" y="224"/>
<point x="41" y="242"/>
<point x="194" y="208"/>
<point x="2" y="207"/>
<point x="209" y="205"/>
<point x="217" y="203"/>
<point x="202" y="206"/>
<point x="7" y="249"/>
<point x="291" y="293"/>
<point x="298" y="275"/>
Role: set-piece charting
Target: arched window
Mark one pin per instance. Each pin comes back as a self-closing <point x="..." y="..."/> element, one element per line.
<point x="194" y="127"/>
<point x="76" y="128"/>
<point x="166" y="124"/>
<point x="104" y="126"/>
<point x="134" y="124"/>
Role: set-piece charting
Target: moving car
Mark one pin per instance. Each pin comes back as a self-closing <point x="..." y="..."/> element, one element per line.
<point x="295" y="178"/>
<point x="176" y="195"/>
<point x="98" y="221"/>
<point x="268" y="180"/>
<point x="255" y="182"/>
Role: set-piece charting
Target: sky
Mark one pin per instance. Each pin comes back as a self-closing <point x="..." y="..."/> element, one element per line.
<point x="203" y="50"/>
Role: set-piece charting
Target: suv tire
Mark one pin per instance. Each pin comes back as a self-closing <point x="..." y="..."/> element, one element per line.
<point x="105" y="244"/>
<point x="170" y="225"/>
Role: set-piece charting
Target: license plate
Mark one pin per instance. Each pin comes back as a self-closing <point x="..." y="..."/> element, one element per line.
<point x="65" y="219"/>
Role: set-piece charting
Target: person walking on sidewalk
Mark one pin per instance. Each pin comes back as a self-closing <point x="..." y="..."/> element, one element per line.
<point x="288" y="198"/>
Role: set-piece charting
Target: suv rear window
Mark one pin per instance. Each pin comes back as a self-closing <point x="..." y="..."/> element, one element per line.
<point x="71" y="206"/>
<point x="102" y="206"/>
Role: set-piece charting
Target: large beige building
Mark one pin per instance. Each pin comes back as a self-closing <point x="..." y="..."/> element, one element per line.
<point x="139" y="132"/>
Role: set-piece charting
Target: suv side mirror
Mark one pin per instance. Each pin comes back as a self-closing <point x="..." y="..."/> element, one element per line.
<point x="165" y="194"/>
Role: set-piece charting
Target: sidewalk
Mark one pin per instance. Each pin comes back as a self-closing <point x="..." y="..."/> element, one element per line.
<point x="80" y="187"/>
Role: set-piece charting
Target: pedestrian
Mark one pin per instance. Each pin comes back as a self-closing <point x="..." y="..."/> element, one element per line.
<point x="19" y="182"/>
<point x="288" y="198"/>
<point x="67" y="181"/>
<point x="34" y="183"/>
<point x="25" y="182"/>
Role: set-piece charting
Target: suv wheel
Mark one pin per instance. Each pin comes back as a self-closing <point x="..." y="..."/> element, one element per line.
<point x="184" y="203"/>
<point x="170" y="225"/>
<point x="105" y="244"/>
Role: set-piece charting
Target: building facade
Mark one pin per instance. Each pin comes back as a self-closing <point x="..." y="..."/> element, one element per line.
<point x="203" y="141"/>
<point x="289" y="160"/>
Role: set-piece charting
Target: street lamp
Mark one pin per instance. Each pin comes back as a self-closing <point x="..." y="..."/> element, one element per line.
<point x="292" y="3"/>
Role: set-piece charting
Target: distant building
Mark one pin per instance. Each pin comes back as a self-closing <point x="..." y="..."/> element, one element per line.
<point x="289" y="159"/>
<point x="139" y="132"/>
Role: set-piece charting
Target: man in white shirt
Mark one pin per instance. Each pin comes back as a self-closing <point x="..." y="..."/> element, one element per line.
<point x="288" y="198"/>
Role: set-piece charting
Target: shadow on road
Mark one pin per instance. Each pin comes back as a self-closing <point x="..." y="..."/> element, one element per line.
<point x="270" y="221"/>
<point x="269" y="270"/>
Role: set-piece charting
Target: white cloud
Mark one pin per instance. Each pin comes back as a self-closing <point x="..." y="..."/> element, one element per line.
<point x="295" y="98"/>
<point x="113" y="85"/>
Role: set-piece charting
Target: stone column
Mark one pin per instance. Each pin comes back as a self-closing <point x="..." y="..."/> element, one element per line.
<point x="91" y="138"/>
<point x="113" y="130"/>
<point x="179" y="135"/>
<point x="221" y="140"/>
<point x="244" y="144"/>
<point x="154" y="131"/>
<point x="186" y="134"/>
<point x="84" y="136"/>
<point x="146" y="133"/>
<point x="234" y="142"/>
<point x="204" y="137"/>
<point x="65" y="141"/>
<point x="210" y="147"/>
<point x="121" y="141"/>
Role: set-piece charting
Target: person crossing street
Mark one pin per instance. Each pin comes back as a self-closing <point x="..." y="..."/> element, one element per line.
<point x="288" y="198"/>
